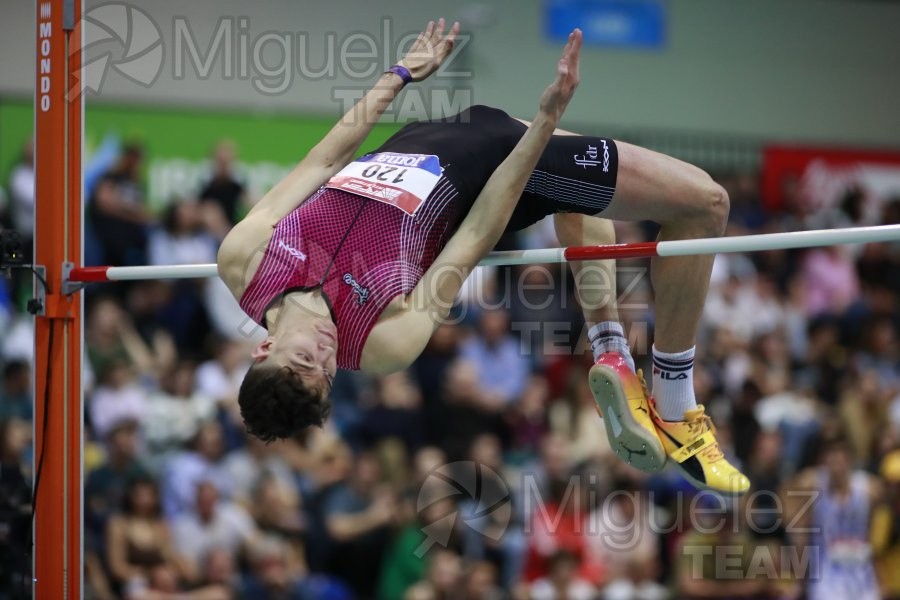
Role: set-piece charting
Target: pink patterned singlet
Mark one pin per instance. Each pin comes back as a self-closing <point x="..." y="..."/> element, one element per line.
<point x="361" y="252"/>
<point x="370" y="234"/>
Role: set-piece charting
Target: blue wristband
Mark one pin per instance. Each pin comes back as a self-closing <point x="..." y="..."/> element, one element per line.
<point x="401" y="72"/>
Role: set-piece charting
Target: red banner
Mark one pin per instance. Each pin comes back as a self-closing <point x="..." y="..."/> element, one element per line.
<point x="818" y="176"/>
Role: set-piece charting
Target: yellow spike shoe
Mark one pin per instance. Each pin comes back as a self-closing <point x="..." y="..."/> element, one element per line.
<point x="624" y="404"/>
<point x="692" y="446"/>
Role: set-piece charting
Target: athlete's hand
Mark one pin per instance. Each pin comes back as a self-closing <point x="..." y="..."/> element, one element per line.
<point x="429" y="50"/>
<point x="557" y="95"/>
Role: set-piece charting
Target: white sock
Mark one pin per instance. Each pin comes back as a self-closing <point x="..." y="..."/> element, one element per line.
<point x="673" y="383"/>
<point x="609" y="336"/>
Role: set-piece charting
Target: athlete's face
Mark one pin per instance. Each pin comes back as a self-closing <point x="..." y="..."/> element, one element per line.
<point x="309" y="348"/>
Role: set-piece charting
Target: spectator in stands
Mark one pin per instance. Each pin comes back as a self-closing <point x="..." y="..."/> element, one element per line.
<point x="163" y="584"/>
<point x="573" y="418"/>
<point x="220" y="379"/>
<point x="357" y="515"/>
<point x="146" y="304"/>
<point x="176" y="411"/>
<point x="15" y="506"/>
<point x="110" y="337"/>
<point x="442" y="580"/>
<point x="562" y="580"/>
<point x="278" y="514"/>
<point x="212" y="524"/>
<point x="184" y="471"/>
<point x="715" y="558"/>
<point x="183" y="238"/>
<point x="326" y="467"/>
<point x="864" y="407"/>
<point x="491" y="533"/>
<point x="220" y="571"/>
<point x="431" y="366"/>
<point x="223" y="191"/>
<point x="880" y="352"/>
<point x="832" y="284"/>
<point x="104" y="493"/>
<point x="118" y="213"/>
<point x="138" y="540"/>
<point x="557" y="524"/>
<point x="397" y="413"/>
<point x="554" y="466"/>
<point x="527" y="421"/>
<point x="480" y="582"/>
<point x="501" y="365"/>
<point x="829" y="508"/>
<point x="21" y="194"/>
<point x="15" y="391"/>
<point x="105" y="486"/>
<point x="766" y="468"/>
<point x="623" y="542"/>
<point x="886" y="528"/>
<point x="117" y="398"/>
<point x="465" y="411"/>
<point x="825" y="361"/>
<point x="251" y="465"/>
<point x="271" y="579"/>
<point x="416" y="544"/>
<point x="17" y="213"/>
<point x="770" y="363"/>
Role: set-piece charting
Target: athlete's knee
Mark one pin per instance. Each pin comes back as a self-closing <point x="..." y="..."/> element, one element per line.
<point x="719" y="207"/>
<point x="712" y="206"/>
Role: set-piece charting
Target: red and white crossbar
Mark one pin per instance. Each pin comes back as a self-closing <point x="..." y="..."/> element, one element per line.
<point x="741" y="243"/>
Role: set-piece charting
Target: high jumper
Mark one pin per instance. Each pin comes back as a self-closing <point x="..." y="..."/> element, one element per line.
<point x="353" y="261"/>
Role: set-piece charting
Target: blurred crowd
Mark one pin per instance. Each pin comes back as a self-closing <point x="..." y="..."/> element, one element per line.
<point x="483" y="471"/>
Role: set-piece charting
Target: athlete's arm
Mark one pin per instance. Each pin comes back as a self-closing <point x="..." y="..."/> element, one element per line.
<point x="339" y="146"/>
<point x="396" y="342"/>
<point x="236" y="254"/>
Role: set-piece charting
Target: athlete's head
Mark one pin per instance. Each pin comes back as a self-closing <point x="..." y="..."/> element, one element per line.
<point x="286" y="389"/>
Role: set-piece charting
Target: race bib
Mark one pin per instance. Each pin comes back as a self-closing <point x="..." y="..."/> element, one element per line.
<point x="401" y="180"/>
<point x="849" y="552"/>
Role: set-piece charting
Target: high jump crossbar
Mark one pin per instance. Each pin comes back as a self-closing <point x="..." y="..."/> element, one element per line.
<point x="742" y="243"/>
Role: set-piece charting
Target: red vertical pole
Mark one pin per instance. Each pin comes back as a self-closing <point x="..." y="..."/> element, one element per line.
<point x="74" y="331"/>
<point x="58" y="336"/>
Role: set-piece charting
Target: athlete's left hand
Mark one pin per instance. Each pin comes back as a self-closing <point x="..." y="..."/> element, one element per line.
<point x="557" y="95"/>
<point x="429" y="50"/>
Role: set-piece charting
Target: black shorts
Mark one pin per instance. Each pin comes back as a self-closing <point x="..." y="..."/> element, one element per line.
<point x="574" y="174"/>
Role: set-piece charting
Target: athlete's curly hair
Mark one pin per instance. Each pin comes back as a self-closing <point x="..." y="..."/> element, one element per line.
<point x="276" y="403"/>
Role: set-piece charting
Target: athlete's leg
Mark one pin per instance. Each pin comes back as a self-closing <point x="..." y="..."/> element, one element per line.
<point x="687" y="204"/>
<point x="578" y="174"/>
<point x="596" y="279"/>
<point x="618" y="390"/>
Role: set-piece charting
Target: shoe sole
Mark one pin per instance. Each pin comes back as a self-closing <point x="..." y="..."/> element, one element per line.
<point x="630" y="441"/>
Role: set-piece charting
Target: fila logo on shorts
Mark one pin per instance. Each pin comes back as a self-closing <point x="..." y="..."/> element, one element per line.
<point x="589" y="158"/>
